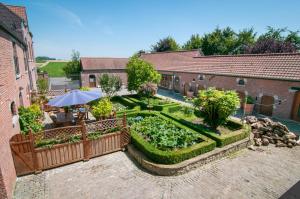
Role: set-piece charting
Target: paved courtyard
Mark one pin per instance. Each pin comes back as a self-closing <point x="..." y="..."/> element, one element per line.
<point x="245" y="174"/>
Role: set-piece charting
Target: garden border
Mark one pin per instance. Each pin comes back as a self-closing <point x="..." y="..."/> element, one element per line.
<point x="170" y="157"/>
<point x="187" y="165"/>
<point x="221" y="141"/>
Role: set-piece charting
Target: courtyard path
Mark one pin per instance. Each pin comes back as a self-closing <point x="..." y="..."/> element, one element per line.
<point x="245" y="174"/>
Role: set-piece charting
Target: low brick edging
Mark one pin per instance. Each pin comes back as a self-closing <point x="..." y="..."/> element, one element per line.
<point x="187" y="165"/>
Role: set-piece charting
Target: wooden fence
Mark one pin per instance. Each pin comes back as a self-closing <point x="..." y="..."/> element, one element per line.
<point x="29" y="158"/>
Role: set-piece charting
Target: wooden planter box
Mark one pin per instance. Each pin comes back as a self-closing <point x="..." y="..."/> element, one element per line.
<point x="248" y="108"/>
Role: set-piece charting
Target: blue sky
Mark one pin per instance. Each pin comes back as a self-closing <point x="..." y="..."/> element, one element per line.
<point x="119" y="28"/>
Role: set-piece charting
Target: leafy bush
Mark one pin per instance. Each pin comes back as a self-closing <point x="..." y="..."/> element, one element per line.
<point x="85" y="88"/>
<point x="217" y="105"/>
<point x="249" y="100"/>
<point x="103" y="108"/>
<point x="29" y="118"/>
<point x="163" y="134"/>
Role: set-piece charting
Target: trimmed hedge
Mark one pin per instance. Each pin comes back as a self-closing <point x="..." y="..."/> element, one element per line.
<point x="169" y="157"/>
<point x="144" y="106"/>
<point x="222" y="140"/>
<point x="133" y="106"/>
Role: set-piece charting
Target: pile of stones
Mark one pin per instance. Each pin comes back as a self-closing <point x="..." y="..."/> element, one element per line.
<point x="266" y="131"/>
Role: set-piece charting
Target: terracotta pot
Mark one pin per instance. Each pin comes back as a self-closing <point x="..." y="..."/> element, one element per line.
<point x="248" y="108"/>
<point x="190" y="94"/>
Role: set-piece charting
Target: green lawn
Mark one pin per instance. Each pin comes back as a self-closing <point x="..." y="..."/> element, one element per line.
<point x="55" y="69"/>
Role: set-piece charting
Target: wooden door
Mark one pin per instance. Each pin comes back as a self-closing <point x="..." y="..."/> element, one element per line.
<point x="266" y="107"/>
<point x="92" y="81"/>
<point x="242" y="98"/>
<point x="186" y="88"/>
<point x="296" y="107"/>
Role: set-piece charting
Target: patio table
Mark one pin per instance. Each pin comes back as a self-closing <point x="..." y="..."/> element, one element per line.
<point x="64" y="119"/>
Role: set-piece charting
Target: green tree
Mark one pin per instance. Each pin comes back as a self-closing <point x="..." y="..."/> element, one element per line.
<point x="140" y="72"/>
<point x="195" y="42"/>
<point x="294" y="38"/>
<point x="217" y="105"/>
<point x="72" y="68"/>
<point x="220" y="42"/>
<point x="166" y="44"/>
<point x="110" y="84"/>
<point x="246" y="38"/>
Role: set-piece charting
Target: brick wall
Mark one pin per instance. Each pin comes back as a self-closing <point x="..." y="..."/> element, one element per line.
<point x="10" y="89"/>
<point x="253" y="87"/>
<point x="85" y="76"/>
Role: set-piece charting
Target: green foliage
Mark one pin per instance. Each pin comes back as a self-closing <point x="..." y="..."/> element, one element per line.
<point x="217" y="105"/>
<point x="166" y="44"/>
<point x="155" y="103"/>
<point x="140" y="72"/>
<point x="103" y="108"/>
<point x="72" y="69"/>
<point x="54" y="69"/>
<point x="85" y="88"/>
<point x="29" y="118"/>
<point x="249" y="100"/>
<point x="238" y="130"/>
<point x="110" y="84"/>
<point x="42" y="85"/>
<point x="163" y="134"/>
<point x="195" y="42"/>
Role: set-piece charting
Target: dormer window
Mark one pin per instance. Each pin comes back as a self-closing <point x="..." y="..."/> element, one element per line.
<point x="201" y="77"/>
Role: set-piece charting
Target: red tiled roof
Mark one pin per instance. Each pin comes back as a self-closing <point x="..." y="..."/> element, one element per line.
<point x="165" y="59"/>
<point x="18" y="10"/>
<point x="285" y="66"/>
<point x="93" y="63"/>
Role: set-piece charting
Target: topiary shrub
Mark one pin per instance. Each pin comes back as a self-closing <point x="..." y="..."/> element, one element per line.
<point x="217" y="105"/>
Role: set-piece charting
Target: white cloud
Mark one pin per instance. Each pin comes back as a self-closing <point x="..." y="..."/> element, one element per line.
<point x="69" y="15"/>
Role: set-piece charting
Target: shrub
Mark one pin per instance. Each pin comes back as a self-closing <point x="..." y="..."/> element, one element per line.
<point x="42" y="85"/>
<point x="29" y="118"/>
<point x="249" y="100"/>
<point x="85" y="88"/>
<point x="103" y="108"/>
<point x="217" y="105"/>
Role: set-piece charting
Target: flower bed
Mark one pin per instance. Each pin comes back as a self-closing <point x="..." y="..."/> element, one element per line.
<point x="165" y="141"/>
<point x="156" y="103"/>
<point x="231" y="132"/>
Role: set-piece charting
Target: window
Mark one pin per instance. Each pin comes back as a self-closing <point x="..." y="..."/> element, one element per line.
<point x="16" y="60"/>
<point x="241" y="82"/>
<point x="201" y="77"/>
<point x="13" y="108"/>
<point x="25" y="54"/>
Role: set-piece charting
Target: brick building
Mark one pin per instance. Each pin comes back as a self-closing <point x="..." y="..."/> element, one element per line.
<point x="273" y="80"/>
<point x="17" y="80"/>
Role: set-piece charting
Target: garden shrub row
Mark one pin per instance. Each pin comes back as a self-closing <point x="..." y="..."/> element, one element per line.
<point x="172" y="156"/>
<point x="222" y="140"/>
<point x="144" y="106"/>
<point x="133" y="107"/>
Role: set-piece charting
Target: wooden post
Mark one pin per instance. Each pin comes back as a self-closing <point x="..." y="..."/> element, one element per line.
<point x="33" y="153"/>
<point x="86" y="145"/>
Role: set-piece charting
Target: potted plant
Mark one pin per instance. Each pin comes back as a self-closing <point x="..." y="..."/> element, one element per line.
<point x="249" y="105"/>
